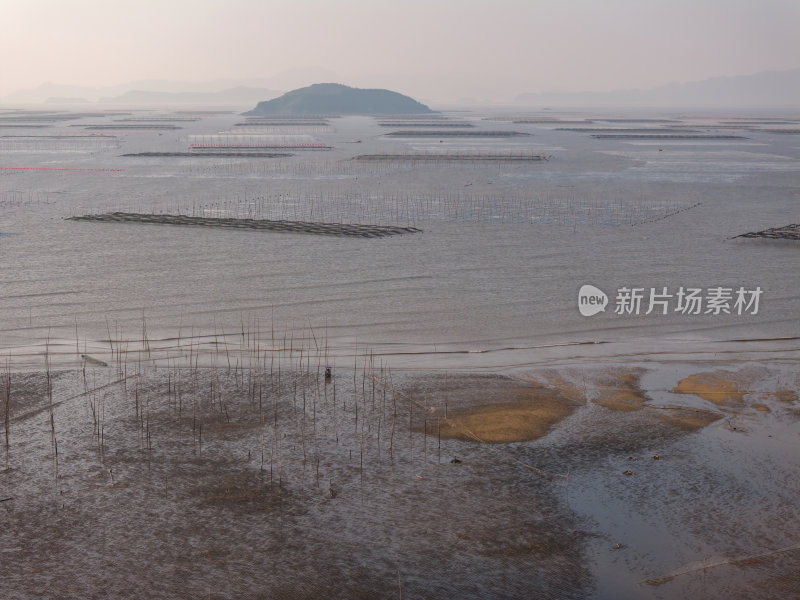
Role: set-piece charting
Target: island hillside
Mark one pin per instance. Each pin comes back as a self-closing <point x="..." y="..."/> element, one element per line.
<point x="338" y="99"/>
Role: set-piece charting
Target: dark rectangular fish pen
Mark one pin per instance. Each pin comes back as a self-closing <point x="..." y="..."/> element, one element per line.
<point x="342" y="229"/>
<point x="451" y="157"/>
<point x="444" y="133"/>
<point x="428" y="124"/>
<point x="787" y="232"/>
<point x="668" y="136"/>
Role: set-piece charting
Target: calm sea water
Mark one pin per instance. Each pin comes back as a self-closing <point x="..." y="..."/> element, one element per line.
<point x="491" y="282"/>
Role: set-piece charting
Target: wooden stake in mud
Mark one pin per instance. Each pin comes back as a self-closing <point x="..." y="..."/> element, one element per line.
<point x="53" y="439"/>
<point x="394" y="417"/>
<point x="439" y="438"/>
<point x="110" y="342"/>
<point x="6" y="410"/>
<point x="425" y="432"/>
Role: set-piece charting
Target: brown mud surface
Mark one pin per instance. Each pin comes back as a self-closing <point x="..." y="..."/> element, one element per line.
<point x="216" y="483"/>
<point x="226" y="483"/>
<point x="786" y="396"/>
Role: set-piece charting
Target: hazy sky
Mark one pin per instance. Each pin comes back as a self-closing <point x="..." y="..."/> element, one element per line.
<point x="431" y="49"/>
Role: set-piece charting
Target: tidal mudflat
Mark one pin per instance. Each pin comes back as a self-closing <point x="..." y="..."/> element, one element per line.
<point x="280" y="481"/>
<point x="168" y="428"/>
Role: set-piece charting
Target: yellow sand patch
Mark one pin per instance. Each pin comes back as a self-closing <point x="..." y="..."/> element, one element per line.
<point x="787" y="396"/>
<point x="761" y="407"/>
<point x="488" y="409"/>
<point x="688" y="419"/>
<point x="622" y="392"/>
<point x="529" y="413"/>
<point x="713" y="387"/>
<point x="502" y="423"/>
<point x="660" y="580"/>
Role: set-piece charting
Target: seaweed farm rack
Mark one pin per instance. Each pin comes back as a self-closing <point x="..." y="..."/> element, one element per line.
<point x="246" y="143"/>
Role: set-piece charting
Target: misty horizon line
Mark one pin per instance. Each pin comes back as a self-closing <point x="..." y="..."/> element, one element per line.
<point x="786" y="83"/>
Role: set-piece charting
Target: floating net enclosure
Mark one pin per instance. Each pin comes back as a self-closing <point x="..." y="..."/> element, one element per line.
<point x="253" y="142"/>
<point x="280" y="129"/>
<point x="787" y="232"/>
<point x="282" y="226"/>
<point x="456" y="133"/>
<point x="57" y="143"/>
<point x="358" y="166"/>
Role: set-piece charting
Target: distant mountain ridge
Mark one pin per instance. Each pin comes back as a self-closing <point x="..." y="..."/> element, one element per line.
<point x="282" y="81"/>
<point x="338" y="99"/>
<point x="240" y="95"/>
<point x="765" y="89"/>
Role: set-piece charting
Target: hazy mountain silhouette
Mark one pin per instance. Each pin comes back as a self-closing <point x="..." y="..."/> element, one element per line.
<point x="338" y="99"/>
<point x="765" y="89"/>
<point x="234" y="96"/>
<point x="153" y="91"/>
